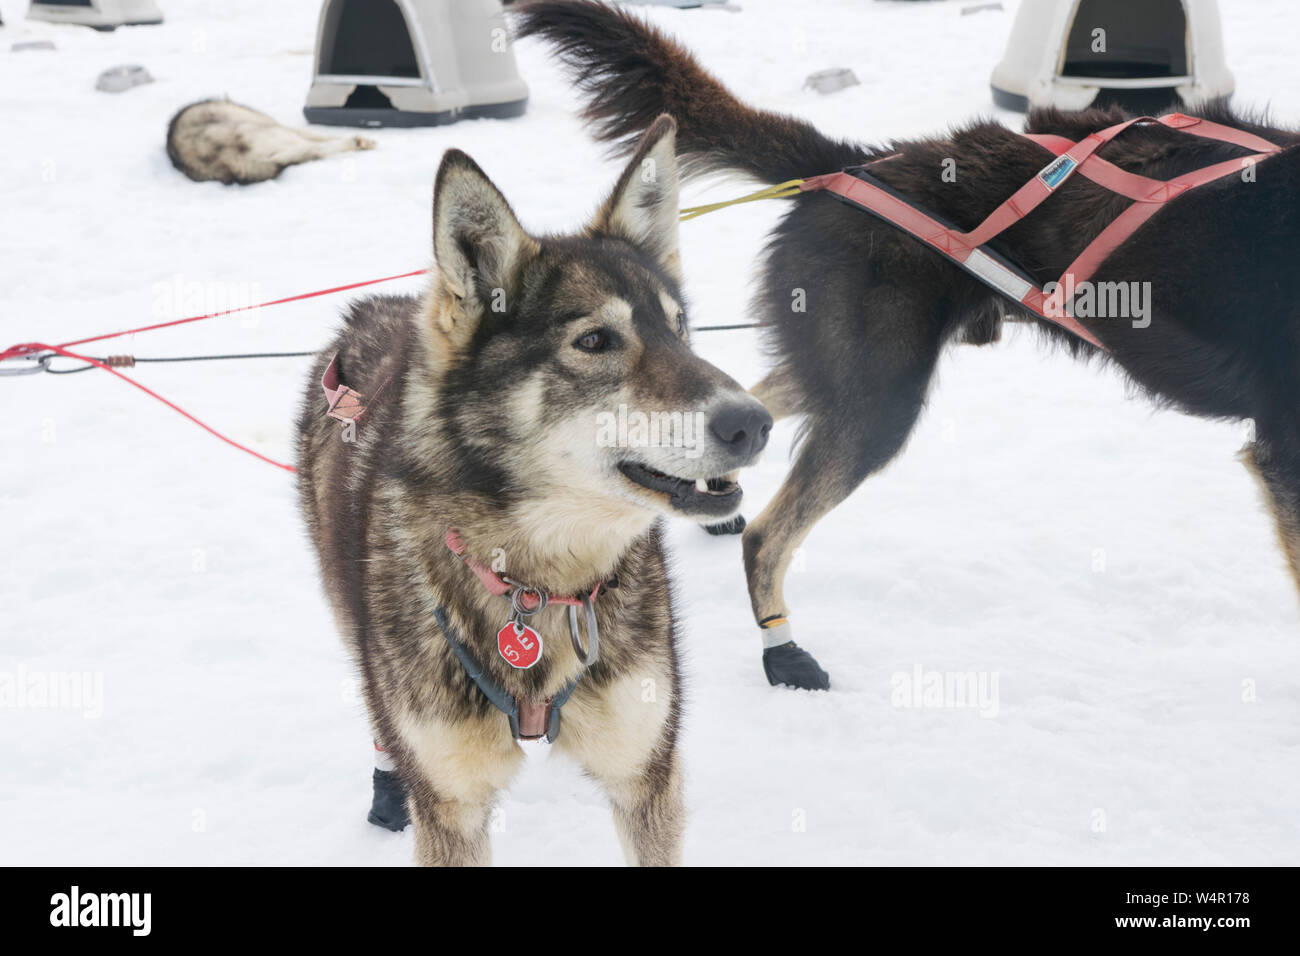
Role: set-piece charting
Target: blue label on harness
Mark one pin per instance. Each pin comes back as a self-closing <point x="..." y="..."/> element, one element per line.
<point x="1057" y="171"/>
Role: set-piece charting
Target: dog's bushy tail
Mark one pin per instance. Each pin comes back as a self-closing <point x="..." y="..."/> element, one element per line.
<point x="630" y="72"/>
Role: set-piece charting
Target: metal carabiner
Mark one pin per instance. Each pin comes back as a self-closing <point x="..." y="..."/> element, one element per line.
<point x="589" y="653"/>
<point x="38" y="363"/>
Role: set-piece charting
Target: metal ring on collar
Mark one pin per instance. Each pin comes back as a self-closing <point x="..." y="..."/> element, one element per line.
<point x="517" y="601"/>
<point x="589" y="653"/>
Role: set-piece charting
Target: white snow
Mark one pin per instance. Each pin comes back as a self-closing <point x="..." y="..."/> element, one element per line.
<point x="1112" y="565"/>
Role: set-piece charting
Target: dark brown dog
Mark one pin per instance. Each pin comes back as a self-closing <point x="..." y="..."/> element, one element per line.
<point x="1222" y="339"/>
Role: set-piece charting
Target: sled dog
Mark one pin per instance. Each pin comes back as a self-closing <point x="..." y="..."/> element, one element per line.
<point x="463" y="476"/>
<point x="1219" y="337"/>
<point x="233" y="144"/>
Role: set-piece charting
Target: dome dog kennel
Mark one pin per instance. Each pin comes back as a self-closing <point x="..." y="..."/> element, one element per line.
<point x="1144" y="56"/>
<point x="100" y="14"/>
<point x="413" y="63"/>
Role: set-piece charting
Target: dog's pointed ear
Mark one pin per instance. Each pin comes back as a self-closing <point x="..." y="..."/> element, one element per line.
<point x="478" y="243"/>
<point x="643" y="207"/>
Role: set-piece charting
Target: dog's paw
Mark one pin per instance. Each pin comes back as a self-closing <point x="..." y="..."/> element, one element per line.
<point x="388" y="807"/>
<point x="363" y="142"/>
<point x="731" y="526"/>
<point x="791" y="665"/>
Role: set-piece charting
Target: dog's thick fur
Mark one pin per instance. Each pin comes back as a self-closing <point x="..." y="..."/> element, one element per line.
<point x="1224" y="336"/>
<point x="482" y="405"/>
<point x="233" y="144"/>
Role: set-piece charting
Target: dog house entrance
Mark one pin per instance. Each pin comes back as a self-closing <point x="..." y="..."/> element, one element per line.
<point x="1141" y="40"/>
<point x="1144" y="55"/>
<point x="368" y="38"/>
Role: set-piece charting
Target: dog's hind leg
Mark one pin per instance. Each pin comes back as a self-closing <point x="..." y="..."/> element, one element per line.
<point x="388" y="802"/>
<point x="858" y="421"/>
<point x="250" y="153"/>
<point x="317" y="136"/>
<point x="289" y="147"/>
<point x="1277" y="466"/>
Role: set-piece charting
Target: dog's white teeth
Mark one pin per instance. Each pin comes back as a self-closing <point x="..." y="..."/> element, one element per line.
<point x="702" y="485"/>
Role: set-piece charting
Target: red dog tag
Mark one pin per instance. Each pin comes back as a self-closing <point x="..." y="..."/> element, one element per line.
<point x="520" y="645"/>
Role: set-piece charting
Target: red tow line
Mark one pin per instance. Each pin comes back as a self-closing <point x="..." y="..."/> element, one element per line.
<point x="34" y="348"/>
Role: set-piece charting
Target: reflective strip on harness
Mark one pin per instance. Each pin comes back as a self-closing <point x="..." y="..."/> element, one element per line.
<point x="997" y="275"/>
<point x="857" y="187"/>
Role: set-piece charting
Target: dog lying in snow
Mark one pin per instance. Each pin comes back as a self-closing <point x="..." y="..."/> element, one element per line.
<point x="224" y="141"/>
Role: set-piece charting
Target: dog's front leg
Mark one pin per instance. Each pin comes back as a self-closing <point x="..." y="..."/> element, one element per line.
<point x="625" y="736"/>
<point x="453" y="769"/>
<point x="449" y="832"/>
<point x="857" y="418"/>
<point x="649" y="812"/>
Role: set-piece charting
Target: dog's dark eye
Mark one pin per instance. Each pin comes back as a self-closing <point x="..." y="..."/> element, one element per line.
<point x="681" y="322"/>
<point x="597" y="340"/>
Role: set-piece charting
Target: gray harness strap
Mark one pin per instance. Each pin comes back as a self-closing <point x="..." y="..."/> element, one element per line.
<point x="500" y="698"/>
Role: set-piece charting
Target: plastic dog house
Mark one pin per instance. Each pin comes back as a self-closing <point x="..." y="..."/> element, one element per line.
<point x="1144" y="55"/>
<point x="100" y="14"/>
<point x="413" y="63"/>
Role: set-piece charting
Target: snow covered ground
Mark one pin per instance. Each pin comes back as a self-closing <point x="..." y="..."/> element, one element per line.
<point x="1114" y="567"/>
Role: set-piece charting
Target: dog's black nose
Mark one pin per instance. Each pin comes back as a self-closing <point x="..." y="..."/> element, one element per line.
<point x="742" y="429"/>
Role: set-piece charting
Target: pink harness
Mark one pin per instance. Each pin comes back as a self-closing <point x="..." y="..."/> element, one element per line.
<point x="858" y="188"/>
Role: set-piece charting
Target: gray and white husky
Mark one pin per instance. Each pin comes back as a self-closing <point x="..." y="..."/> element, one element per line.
<point x="486" y="439"/>
<point x="233" y="144"/>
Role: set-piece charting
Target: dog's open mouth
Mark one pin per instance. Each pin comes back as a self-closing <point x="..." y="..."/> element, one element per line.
<point x="711" y="497"/>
